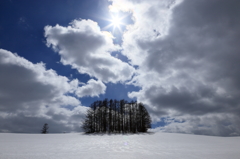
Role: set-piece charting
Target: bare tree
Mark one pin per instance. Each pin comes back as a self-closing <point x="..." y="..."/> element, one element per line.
<point x="116" y="116"/>
<point x="45" y="129"/>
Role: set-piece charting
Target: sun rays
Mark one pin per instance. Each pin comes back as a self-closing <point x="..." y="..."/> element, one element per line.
<point x="116" y="23"/>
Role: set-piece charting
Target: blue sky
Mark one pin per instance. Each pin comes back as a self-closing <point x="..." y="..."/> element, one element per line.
<point x="25" y="26"/>
<point x="179" y="57"/>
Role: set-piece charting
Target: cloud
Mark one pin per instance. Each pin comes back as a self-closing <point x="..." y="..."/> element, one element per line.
<point x="221" y="124"/>
<point x="88" y="49"/>
<point x="188" y="58"/>
<point x="92" y="88"/>
<point x="30" y="96"/>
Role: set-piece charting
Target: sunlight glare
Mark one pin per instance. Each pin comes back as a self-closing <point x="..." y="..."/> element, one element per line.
<point x="116" y="21"/>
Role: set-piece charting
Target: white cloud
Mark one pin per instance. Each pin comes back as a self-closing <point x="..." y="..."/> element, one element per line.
<point x="30" y="95"/>
<point x="187" y="55"/>
<point x="92" y="88"/>
<point x="151" y="21"/>
<point x="88" y="49"/>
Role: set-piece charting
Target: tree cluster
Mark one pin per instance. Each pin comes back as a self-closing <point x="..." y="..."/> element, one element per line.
<point x="114" y="116"/>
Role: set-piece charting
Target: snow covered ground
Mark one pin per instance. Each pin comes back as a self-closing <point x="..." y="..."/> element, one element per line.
<point x="142" y="146"/>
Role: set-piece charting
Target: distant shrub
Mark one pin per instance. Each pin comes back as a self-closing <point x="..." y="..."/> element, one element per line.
<point x="45" y="129"/>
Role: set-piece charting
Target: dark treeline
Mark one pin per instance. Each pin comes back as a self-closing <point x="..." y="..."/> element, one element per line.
<point x="117" y="117"/>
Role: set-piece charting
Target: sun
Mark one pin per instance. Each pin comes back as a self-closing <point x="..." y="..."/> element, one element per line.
<point x="116" y="22"/>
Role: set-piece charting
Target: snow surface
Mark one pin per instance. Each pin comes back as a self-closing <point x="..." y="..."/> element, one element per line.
<point x="138" y="146"/>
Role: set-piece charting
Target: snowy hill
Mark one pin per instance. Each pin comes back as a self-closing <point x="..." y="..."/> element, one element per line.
<point x="138" y="146"/>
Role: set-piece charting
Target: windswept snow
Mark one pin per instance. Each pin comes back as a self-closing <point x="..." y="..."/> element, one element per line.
<point x="137" y="146"/>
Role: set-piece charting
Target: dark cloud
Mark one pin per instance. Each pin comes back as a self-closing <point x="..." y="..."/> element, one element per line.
<point x="20" y="86"/>
<point x="201" y="55"/>
<point x="192" y="68"/>
<point x="30" y="96"/>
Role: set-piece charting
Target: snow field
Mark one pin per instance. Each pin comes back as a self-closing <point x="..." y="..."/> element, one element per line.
<point x="117" y="146"/>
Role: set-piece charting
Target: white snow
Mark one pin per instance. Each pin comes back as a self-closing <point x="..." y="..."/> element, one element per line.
<point x="139" y="146"/>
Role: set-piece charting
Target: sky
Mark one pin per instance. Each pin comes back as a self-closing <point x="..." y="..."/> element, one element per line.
<point x="181" y="58"/>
